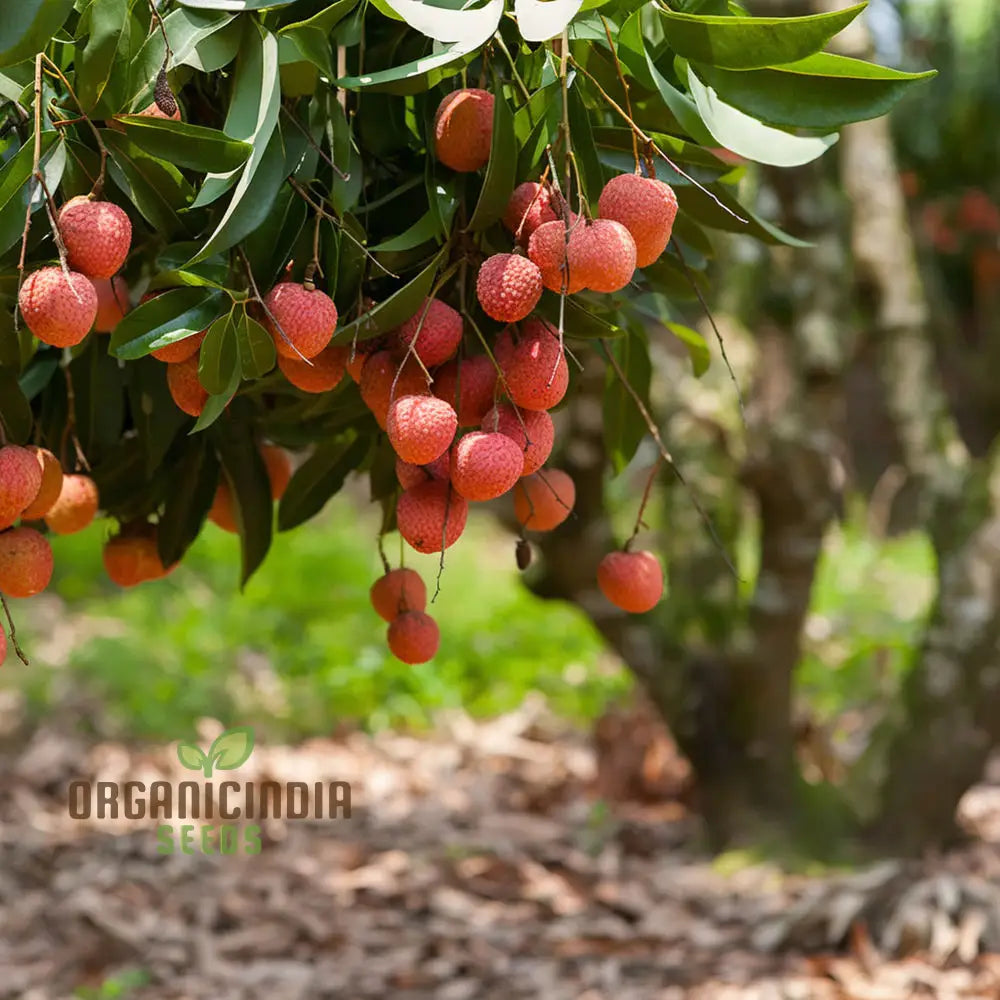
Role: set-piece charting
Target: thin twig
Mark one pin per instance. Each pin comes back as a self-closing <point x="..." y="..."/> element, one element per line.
<point x="255" y="291"/>
<point x="624" y="83"/>
<point x="513" y="66"/>
<point x="99" y="183"/>
<point x="13" y="633"/>
<point x="315" y="145"/>
<point x="646" y="493"/>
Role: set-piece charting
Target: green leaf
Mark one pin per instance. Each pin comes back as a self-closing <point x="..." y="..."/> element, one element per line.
<point x="236" y="5"/>
<point x="624" y="427"/>
<point x="822" y="91"/>
<point x="319" y="478"/>
<point x="751" y="42"/>
<point x="716" y="208"/>
<point x="188" y="501"/>
<point x="269" y="246"/>
<point x="695" y="343"/>
<point x="579" y="321"/>
<point x="540" y="20"/>
<point x="501" y="169"/>
<point x="396" y="309"/>
<point x="15" y="410"/>
<point x="256" y="348"/>
<point x="108" y="40"/>
<point x="455" y="22"/>
<point x="232" y="749"/>
<point x="27" y="26"/>
<point x="191" y="756"/>
<point x="166" y="319"/>
<point x="414" y="77"/>
<point x="751" y="138"/>
<point x="426" y="228"/>
<point x="217" y="404"/>
<point x="156" y="417"/>
<point x="14" y="177"/>
<point x="99" y="402"/>
<point x="311" y="36"/>
<point x="184" y="145"/>
<point x="219" y="358"/>
<point x="584" y="147"/>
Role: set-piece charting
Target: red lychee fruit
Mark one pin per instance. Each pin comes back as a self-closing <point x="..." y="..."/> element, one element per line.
<point x="412" y="475"/>
<point x="25" y="562"/>
<point x="52" y="481"/>
<point x="530" y="205"/>
<point x="440" y="334"/>
<point x="632" y="581"/>
<point x="378" y="376"/>
<point x="646" y="208"/>
<point x="187" y="392"/>
<point x="181" y="350"/>
<point x="279" y="469"/>
<point x="535" y="371"/>
<point x="485" y="465"/>
<point x="531" y="430"/>
<point x="400" y="590"/>
<point x="307" y="319"/>
<point x="414" y="637"/>
<point x="133" y="559"/>
<point x="222" y="512"/>
<point x="544" y="500"/>
<point x="431" y="516"/>
<point x="463" y="129"/>
<point x="20" y="481"/>
<point x="604" y="258"/>
<point x="97" y="236"/>
<point x="469" y="385"/>
<point x="421" y="428"/>
<point x="508" y="287"/>
<point x="112" y="303"/>
<point x="548" y="248"/>
<point x="325" y="372"/>
<point x="76" y="507"/>
<point x="58" y="311"/>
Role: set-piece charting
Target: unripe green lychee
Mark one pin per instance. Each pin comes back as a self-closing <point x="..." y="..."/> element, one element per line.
<point x="185" y="388"/>
<point x="421" y="428"/>
<point x="463" y="129"/>
<point x="307" y="319"/>
<point x="25" y="562"/>
<point x="603" y="256"/>
<point x="485" y="465"/>
<point x="440" y="332"/>
<point x="632" y="581"/>
<point x="544" y="500"/>
<point x="508" y="287"/>
<point x="20" y="481"/>
<point x="413" y="637"/>
<point x="180" y="350"/>
<point x="48" y="492"/>
<point x="410" y="475"/>
<point x="76" y="507"/>
<point x="431" y="516"/>
<point x="646" y="207"/>
<point x="534" y="366"/>
<point x="325" y="372"/>
<point x="550" y="246"/>
<point x="57" y="310"/>
<point x="97" y="236"/>
<point x="469" y="385"/>
<point x="112" y="302"/>
<point x="531" y="430"/>
<point x="530" y="205"/>
<point x="380" y="386"/>
<point x="398" y="591"/>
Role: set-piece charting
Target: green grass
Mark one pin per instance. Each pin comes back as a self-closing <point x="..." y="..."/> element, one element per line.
<point x="302" y="649"/>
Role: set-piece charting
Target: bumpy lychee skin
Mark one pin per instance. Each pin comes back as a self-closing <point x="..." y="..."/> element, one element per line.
<point x="544" y="500"/>
<point x="440" y="333"/>
<point x="307" y="319"/>
<point x="632" y="581"/>
<point x="400" y="590"/>
<point x="325" y="372"/>
<point x="25" y="562"/>
<point x="531" y="430"/>
<point x="377" y="378"/>
<point x="97" y="235"/>
<point x="530" y="205"/>
<point x="112" y="303"/>
<point x="469" y="385"/>
<point x="548" y="248"/>
<point x="485" y="465"/>
<point x="58" y="311"/>
<point x="20" y="481"/>
<point x="431" y="515"/>
<point x="421" y="428"/>
<point x="410" y="475"/>
<point x="463" y="129"/>
<point x="187" y="392"/>
<point x="414" y="637"/>
<point x="508" y="287"/>
<point x="174" y="354"/>
<point x="76" y="507"/>
<point x="51" y="487"/>
<point x="534" y="368"/>
<point x="605" y="258"/>
<point x="646" y="207"/>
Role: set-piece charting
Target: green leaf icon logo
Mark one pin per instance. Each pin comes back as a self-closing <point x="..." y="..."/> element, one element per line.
<point x="229" y="751"/>
<point x="191" y="756"/>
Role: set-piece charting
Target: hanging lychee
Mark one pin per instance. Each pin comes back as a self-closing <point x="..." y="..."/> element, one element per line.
<point x="97" y="236"/>
<point x="307" y="319"/>
<point x="59" y="311"/>
<point x="463" y="129"/>
<point x="646" y="207"/>
<point x="544" y="500"/>
<point x="632" y="581"/>
<point x="508" y="287"/>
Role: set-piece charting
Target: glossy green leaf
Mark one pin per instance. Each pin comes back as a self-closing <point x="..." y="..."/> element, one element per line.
<point x="717" y="208"/>
<point x="109" y="30"/>
<point x="217" y="404"/>
<point x="584" y="147"/>
<point x="184" y="145"/>
<point x="624" y="426"/>
<point x="219" y="357"/>
<point x="426" y="228"/>
<point x="14" y="177"/>
<point x="413" y="77"/>
<point x="99" y="402"/>
<point x="155" y="415"/>
<point x="318" y="478"/>
<point x="166" y="319"/>
<point x="27" y="25"/>
<point x="235" y="6"/>
<point x="501" y="171"/>
<point x="256" y="348"/>
<point x="15" y="410"/>
<point x="580" y="322"/>
<point x="196" y="478"/>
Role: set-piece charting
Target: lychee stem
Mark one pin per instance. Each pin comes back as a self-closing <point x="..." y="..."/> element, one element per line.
<point x="258" y="298"/>
<point x="624" y="83"/>
<point x="13" y="633"/>
<point x="639" y="524"/>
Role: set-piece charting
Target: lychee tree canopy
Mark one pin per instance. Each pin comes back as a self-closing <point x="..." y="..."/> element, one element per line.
<point x="306" y="133"/>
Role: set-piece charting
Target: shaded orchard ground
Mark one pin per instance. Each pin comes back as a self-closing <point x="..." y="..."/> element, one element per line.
<point x="479" y="862"/>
